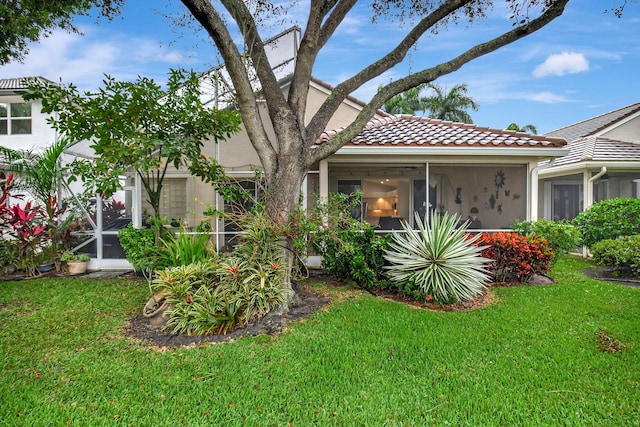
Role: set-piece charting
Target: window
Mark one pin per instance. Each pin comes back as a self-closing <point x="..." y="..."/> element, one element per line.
<point x="15" y="118"/>
<point x="567" y="201"/>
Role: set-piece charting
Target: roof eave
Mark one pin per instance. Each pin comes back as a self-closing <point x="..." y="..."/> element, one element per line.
<point x="456" y="151"/>
<point x="578" y="167"/>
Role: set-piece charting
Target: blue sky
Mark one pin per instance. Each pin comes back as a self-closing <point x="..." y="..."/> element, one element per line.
<point x="585" y="63"/>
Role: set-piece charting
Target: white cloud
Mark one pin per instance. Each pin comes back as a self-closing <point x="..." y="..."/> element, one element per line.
<point x="83" y="60"/>
<point x="561" y="64"/>
<point x="548" y="98"/>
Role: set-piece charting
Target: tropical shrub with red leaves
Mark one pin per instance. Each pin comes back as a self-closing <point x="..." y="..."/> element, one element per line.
<point x="516" y="257"/>
<point x="28" y="230"/>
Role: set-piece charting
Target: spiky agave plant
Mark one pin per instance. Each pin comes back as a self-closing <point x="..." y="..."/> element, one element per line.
<point x="439" y="258"/>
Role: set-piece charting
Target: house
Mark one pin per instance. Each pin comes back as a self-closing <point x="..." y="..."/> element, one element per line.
<point x="402" y="164"/>
<point x="406" y="164"/>
<point x="22" y="125"/>
<point x="603" y="163"/>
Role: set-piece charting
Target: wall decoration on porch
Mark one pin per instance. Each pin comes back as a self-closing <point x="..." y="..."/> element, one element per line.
<point x="506" y="193"/>
<point x="500" y="208"/>
<point x="516" y="196"/>
<point x="458" y="199"/>
<point x="492" y="202"/>
<point x="499" y="180"/>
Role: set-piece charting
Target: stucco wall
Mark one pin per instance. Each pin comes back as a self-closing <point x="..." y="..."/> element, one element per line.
<point x="42" y="135"/>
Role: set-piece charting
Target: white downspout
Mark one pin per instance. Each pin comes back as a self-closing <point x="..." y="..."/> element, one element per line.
<point x="589" y="196"/>
<point x="533" y="211"/>
<point x="588" y="200"/>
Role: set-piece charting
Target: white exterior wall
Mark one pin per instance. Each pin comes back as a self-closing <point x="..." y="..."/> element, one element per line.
<point x="42" y="135"/>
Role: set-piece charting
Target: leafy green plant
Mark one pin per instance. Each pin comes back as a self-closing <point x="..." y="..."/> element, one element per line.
<point x="562" y="236"/>
<point x="185" y="248"/>
<point x="609" y="219"/>
<point x="516" y="257"/>
<point x="9" y="255"/>
<point x="68" y="256"/>
<point x="440" y="258"/>
<point x="355" y="254"/>
<point x="215" y="295"/>
<point x="621" y="254"/>
<point x="350" y="249"/>
<point x="140" y="248"/>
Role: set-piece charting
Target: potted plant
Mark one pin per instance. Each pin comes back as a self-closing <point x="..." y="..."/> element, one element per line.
<point x="76" y="263"/>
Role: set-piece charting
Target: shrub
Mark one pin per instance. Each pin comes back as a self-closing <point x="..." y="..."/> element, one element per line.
<point x="562" y="236"/>
<point x="140" y="248"/>
<point x="609" y="219"/>
<point x="621" y="254"/>
<point x="516" y="257"/>
<point x="440" y="259"/>
<point x="354" y="254"/>
<point x="214" y="296"/>
<point x="185" y="248"/>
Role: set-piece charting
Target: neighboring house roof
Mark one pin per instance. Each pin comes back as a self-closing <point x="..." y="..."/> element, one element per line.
<point x="595" y="124"/>
<point x="9" y="86"/>
<point x="407" y="130"/>
<point x="600" y="150"/>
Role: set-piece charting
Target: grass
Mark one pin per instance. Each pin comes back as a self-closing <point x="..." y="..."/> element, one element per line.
<point x="530" y="359"/>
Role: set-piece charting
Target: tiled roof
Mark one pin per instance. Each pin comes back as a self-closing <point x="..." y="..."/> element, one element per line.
<point x="19" y="83"/>
<point x="600" y="149"/>
<point x="595" y="124"/>
<point x="407" y="130"/>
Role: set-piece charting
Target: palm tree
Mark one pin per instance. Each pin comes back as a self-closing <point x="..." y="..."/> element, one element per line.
<point x="526" y="128"/>
<point x="452" y="105"/>
<point x="408" y="102"/>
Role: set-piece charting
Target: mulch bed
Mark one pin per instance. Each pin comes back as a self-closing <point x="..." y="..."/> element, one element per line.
<point x="609" y="275"/>
<point x="309" y="302"/>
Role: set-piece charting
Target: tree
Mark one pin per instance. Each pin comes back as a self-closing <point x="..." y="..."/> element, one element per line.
<point x="294" y="151"/>
<point x="452" y="105"/>
<point x="407" y="102"/>
<point x="288" y="157"/>
<point x="137" y="125"/>
<point x="526" y="128"/>
<point x="23" y="21"/>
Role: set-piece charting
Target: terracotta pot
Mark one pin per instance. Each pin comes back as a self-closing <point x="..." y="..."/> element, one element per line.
<point x="154" y="309"/>
<point x="77" y="267"/>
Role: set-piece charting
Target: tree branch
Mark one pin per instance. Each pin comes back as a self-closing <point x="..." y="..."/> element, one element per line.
<point x="215" y="26"/>
<point x="319" y="121"/>
<point x="430" y="74"/>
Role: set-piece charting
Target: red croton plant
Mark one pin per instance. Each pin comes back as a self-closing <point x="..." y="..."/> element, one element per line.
<point x="516" y="257"/>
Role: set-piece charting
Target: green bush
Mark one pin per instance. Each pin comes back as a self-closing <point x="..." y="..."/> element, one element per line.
<point x="609" y="219"/>
<point x="216" y="295"/>
<point x="621" y="254"/>
<point x="354" y="254"/>
<point x="185" y="248"/>
<point x="439" y="259"/>
<point x="140" y="248"/>
<point x="562" y="236"/>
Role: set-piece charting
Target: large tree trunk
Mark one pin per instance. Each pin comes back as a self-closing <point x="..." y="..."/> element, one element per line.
<point x="284" y="187"/>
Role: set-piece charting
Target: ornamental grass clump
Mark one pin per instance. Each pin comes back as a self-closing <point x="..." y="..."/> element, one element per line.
<point x="439" y="258"/>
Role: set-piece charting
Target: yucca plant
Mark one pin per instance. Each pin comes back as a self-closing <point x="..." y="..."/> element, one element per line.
<point x="439" y="258"/>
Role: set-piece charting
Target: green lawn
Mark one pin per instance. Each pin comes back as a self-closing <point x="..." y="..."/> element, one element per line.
<point x="530" y="359"/>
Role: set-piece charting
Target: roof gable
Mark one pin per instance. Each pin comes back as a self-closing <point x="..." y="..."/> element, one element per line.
<point x="599" y="149"/>
<point x="594" y="125"/>
<point x="407" y="130"/>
